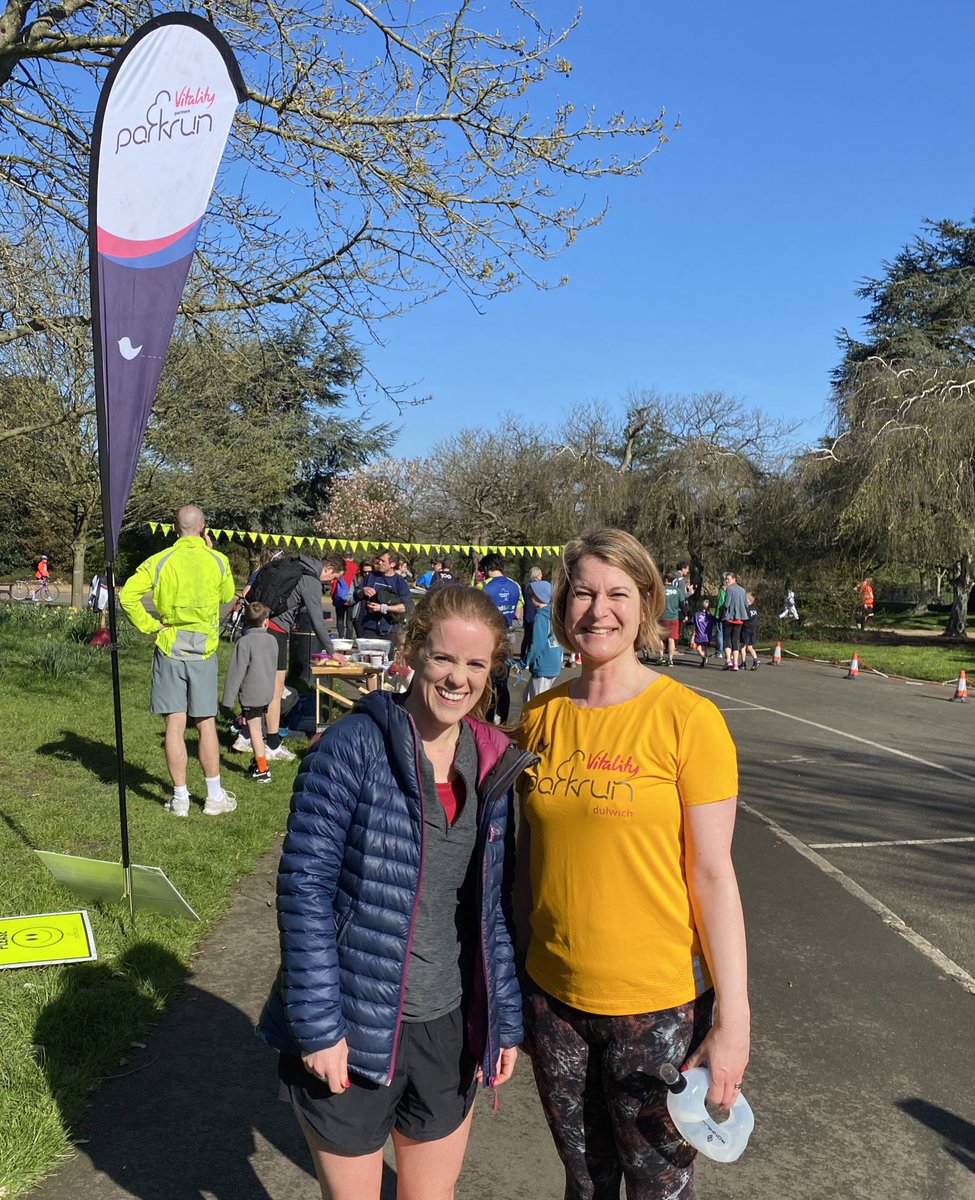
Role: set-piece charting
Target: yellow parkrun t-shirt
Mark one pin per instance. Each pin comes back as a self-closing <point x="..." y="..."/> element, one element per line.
<point x="612" y="930"/>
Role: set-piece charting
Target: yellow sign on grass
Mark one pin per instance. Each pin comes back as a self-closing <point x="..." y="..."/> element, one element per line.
<point x="46" y="938"/>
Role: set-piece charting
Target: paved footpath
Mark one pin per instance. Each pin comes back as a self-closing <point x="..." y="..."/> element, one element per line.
<point x="864" y="1052"/>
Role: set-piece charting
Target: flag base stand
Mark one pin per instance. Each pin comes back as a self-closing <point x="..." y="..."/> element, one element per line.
<point x="148" y="889"/>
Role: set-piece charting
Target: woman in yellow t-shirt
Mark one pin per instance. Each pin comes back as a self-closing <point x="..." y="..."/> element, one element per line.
<point x="632" y="918"/>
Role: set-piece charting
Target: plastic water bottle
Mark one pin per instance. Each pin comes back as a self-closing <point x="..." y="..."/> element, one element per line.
<point x="723" y="1140"/>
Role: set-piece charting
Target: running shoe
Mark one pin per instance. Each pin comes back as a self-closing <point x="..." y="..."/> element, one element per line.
<point x="224" y="803"/>
<point x="179" y="808"/>
<point x="242" y="745"/>
<point x="279" y="754"/>
<point x="258" y="776"/>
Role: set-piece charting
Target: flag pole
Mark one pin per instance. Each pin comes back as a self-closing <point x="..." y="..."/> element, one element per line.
<point x="119" y="748"/>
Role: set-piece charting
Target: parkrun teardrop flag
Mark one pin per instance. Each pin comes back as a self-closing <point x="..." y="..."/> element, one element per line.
<point x="160" y="129"/>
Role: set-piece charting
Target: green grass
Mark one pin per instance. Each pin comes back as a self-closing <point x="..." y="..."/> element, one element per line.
<point x="63" y="1028"/>
<point x="934" y="622"/>
<point x="930" y="660"/>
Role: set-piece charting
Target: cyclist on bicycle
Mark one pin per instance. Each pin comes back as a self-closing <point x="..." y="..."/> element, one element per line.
<point x="43" y="576"/>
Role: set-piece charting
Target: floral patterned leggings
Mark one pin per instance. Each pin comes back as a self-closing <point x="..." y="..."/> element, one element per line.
<point x="606" y="1107"/>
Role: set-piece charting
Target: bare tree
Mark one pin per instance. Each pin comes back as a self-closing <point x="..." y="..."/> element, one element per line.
<point x="488" y="486"/>
<point x="680" y="472"/>
<point x="383" y="153"/>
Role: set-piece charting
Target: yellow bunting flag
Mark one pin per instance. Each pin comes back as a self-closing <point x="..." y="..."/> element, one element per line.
<point x="365" y="545"/>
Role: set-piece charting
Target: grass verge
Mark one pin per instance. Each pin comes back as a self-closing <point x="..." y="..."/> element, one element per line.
<point x="64" y="1028"/>
<point x="931" y="660"/>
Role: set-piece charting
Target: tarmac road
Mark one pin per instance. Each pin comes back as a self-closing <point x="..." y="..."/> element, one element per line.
<point x="863" y="1042"/>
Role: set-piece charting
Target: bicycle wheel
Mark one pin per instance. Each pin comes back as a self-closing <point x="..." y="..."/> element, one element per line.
<point x="52" y="593"/>
<point x="230" y="626"/>
<point x="20" y="590"/>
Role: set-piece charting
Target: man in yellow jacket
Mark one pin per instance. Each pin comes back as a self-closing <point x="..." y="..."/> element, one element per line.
<point x="189" y="581"/>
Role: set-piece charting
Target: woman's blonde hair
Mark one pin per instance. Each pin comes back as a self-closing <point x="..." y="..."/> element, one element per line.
<point x="469" y="604"/>
<point x="621" y="550"/>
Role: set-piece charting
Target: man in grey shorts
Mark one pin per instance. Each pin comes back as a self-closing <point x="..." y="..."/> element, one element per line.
<point x="189" y="581"/>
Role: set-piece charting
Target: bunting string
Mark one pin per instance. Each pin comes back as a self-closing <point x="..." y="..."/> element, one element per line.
<point x="356" y="546"/>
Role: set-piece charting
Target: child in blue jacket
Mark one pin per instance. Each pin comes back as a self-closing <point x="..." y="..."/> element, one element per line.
<point x="544" y="660"/>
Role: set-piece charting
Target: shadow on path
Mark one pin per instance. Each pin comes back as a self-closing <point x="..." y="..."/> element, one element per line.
<point x="192" y="1115"/>
<point x="958" y="1134"/>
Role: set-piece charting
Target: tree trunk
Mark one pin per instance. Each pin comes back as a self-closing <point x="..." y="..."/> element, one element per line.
<point x="78" y="591"/>
<point x="697" y="578"/>
<point x="923" y="595"/>
<point x="962" y="589"/>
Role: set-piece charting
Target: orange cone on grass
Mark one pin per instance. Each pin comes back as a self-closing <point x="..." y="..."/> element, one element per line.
<point x="854" y="670"/>
<point x="961" y="688"/>
<point x="777" y="655"/>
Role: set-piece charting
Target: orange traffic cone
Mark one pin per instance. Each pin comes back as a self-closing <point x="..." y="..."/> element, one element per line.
<point x="854" y="670"/>
<point x="961" y="688"/>
<point x="777" y="655"/>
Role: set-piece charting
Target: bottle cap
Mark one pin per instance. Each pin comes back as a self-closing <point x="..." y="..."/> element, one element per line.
<point x="674" y="1080"/>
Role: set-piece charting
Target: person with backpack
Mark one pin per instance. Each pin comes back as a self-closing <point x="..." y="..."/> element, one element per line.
<point x="386" y="599"/>
<point x="287" y="586"/>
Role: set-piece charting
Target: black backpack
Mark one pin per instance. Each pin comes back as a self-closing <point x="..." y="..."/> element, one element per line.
<point x="274" y="583"/>
<point x="389" y="595"/>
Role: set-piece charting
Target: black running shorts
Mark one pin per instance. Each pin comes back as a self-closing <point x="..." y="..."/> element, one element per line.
<point x="432" y="1091"/>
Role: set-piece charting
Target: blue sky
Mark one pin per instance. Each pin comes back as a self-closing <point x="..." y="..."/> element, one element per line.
<point x="814" y="139"/>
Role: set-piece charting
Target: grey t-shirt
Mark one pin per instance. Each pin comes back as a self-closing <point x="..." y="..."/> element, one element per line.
<point x="445" y="932"/>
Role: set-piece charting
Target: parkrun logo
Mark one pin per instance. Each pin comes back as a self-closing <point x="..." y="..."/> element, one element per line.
<point x="572" y="778"/>
<point x="166" y="119"/>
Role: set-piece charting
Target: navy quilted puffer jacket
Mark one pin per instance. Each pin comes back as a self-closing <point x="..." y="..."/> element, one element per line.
<point x="347" y="893"/>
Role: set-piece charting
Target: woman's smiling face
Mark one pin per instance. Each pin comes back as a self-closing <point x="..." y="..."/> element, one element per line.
<point x="453" y="667"/>
<point x="603" y="611"/>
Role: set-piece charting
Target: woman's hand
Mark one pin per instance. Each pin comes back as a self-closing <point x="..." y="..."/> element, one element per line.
<point x="330" y="1065"/>
<point x="504" y="1068"/>
<point x="725" y="1049"/>
<point x="506" y="1064"/>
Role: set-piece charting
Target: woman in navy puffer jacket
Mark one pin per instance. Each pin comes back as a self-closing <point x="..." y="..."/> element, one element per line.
<point x="397" y="987"/>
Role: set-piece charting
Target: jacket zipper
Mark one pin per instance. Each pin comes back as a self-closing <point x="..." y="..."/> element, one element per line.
<point x="343" y="925"/>
<point x="416" y="905"/>
<point x="498" y="788"/>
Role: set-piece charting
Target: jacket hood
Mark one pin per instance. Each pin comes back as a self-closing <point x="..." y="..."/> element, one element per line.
<point x="312" y="564"/>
